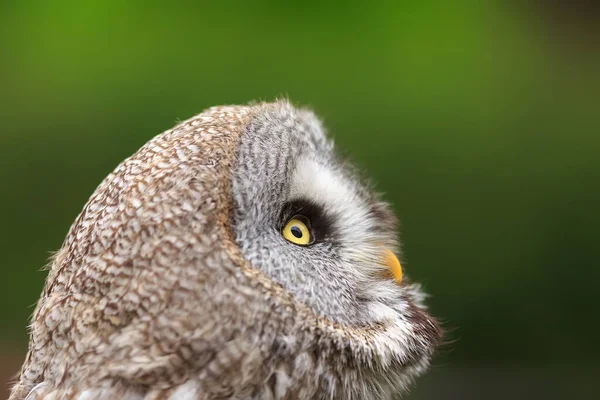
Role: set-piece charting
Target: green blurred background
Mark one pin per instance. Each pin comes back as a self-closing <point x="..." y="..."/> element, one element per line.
<point x="480" y="120"/>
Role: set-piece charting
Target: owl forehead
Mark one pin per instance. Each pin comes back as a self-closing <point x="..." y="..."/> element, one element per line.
<point x="285" y="155"/>
<point x="328" y="186"/>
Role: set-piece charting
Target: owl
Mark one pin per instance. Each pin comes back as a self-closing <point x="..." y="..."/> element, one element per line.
<point x="235" y="256"/>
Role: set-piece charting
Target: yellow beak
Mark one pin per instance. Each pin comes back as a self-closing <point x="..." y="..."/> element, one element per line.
<point x="391" y="261"/>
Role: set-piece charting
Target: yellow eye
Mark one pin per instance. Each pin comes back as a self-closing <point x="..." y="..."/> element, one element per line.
<point x="297" y="232"/>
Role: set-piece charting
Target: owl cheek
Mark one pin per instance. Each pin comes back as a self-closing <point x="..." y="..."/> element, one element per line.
<point x="298" y="277"/>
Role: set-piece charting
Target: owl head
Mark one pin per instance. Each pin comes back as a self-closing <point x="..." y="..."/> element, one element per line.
<point x="234" y="256"/>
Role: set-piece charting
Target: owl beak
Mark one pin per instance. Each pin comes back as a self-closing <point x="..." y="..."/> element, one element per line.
<point x="392" y="263"/>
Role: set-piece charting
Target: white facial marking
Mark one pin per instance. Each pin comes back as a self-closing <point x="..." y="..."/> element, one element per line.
<point x="331" y="190"/>
<point x="362" y="248"/>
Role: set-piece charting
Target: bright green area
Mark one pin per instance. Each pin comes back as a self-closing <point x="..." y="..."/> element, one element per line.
<point x="481" y="122"/>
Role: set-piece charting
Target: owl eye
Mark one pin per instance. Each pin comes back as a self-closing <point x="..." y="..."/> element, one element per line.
<point x="297" y="231"/>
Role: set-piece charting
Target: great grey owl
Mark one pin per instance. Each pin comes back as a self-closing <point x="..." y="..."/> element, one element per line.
<point x="234" y="256"/>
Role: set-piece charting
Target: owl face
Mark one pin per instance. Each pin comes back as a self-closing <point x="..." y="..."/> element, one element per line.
<point x="306" y="219"/>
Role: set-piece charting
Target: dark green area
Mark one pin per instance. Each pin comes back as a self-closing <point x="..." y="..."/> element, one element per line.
<point x="480" y="122"/>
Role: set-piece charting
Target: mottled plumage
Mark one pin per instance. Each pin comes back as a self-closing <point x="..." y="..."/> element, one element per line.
<point x="175" y="281"/>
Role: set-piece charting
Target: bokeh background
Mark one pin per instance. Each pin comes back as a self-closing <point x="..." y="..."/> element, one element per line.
<point x="480" y="120"/>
